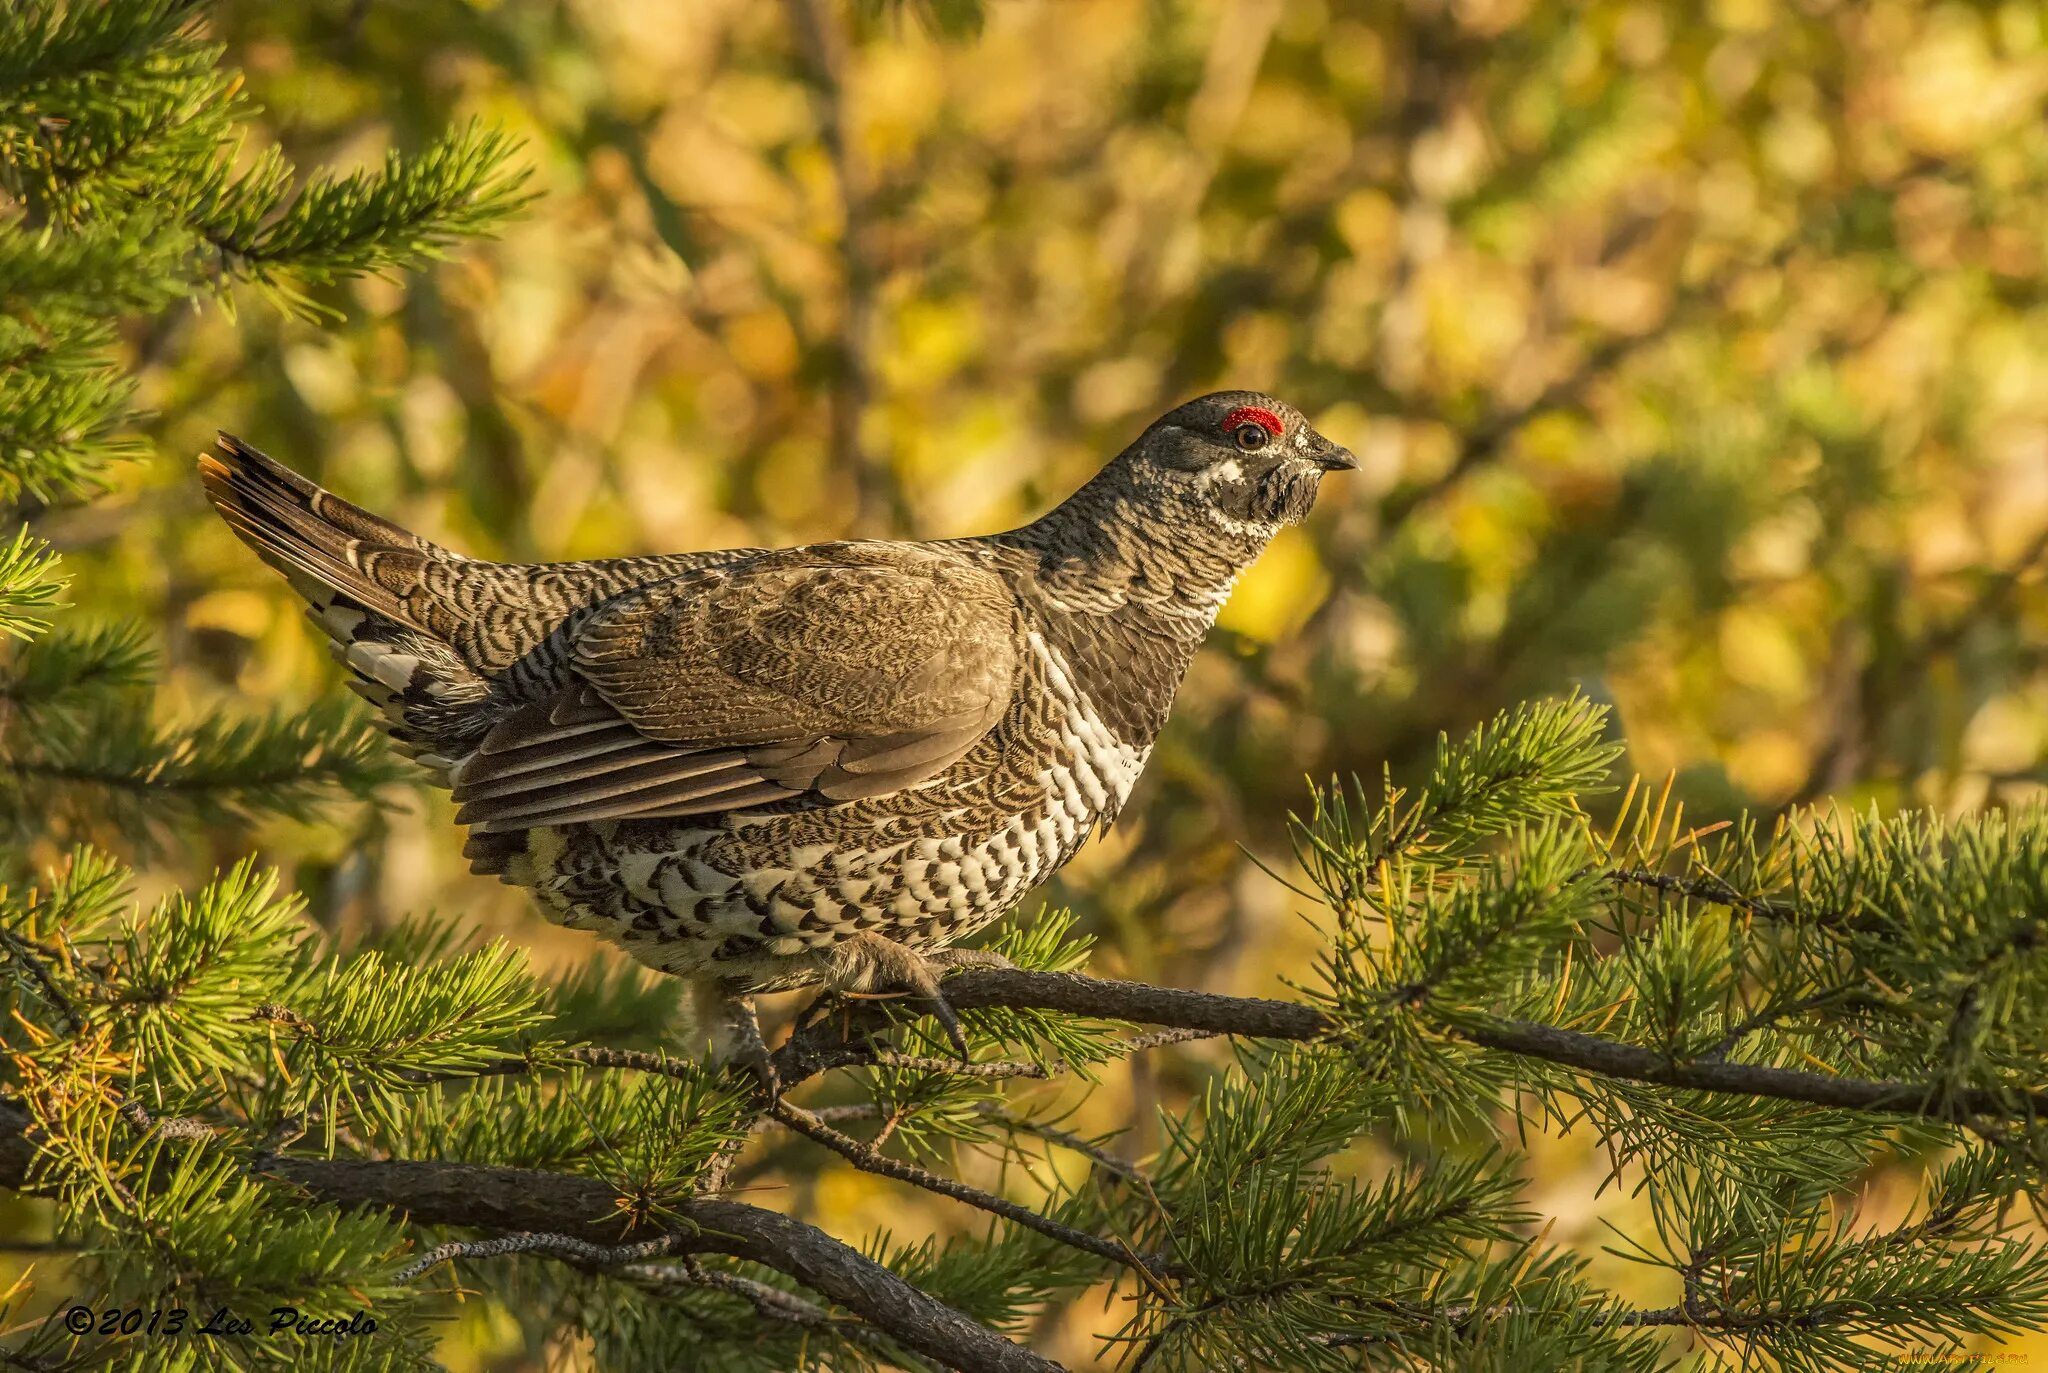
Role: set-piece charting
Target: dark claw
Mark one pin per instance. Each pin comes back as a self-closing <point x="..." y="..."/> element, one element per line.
<point x="764" y="1073"/>
<point x="950" y="1019"/>
<point x="885" y="967"/>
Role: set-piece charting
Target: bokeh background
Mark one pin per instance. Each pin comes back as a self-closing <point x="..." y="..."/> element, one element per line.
<point x="1696" y="354"/>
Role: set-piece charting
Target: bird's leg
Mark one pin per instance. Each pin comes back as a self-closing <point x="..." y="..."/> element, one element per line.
<point x="867" y="962"/>
<point x="749" y="1049"/>
<point x="726" y="1017"/>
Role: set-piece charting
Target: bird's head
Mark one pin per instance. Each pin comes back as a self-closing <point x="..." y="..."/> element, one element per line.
<point x="1239" y="460"/>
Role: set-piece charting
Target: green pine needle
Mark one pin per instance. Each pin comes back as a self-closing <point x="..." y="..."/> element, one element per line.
<point x="30" y="586"/>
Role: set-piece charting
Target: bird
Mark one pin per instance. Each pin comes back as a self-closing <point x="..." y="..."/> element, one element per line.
<point x="759" y="769"/>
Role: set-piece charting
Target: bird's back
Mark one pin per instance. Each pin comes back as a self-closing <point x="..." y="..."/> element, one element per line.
<point x="444" y="646"/>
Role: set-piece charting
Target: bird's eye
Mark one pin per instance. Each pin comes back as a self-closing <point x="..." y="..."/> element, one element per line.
<point x="1251" y="436"/>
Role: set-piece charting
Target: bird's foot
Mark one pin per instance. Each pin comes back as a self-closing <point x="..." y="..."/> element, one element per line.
<point x="868" y="963"/>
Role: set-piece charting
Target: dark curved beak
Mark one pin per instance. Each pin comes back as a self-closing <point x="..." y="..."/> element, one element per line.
<point x="1334" y="458"/>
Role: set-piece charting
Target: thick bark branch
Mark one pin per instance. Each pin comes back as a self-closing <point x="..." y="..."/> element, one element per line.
<point x="518" y="1199"/>
<point x="510" y="1199"/>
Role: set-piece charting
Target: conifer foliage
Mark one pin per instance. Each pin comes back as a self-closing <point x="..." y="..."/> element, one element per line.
<point x="87" y="758"/>
<point x="125" y="191"/>
<point x="1747" y="1021"/>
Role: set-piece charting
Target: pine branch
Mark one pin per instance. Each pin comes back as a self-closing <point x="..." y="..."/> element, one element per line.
<point x="514" y="1201"/>
<point x="120" y="161"/>
<point x="1136" y="1003"/>
<point x="815" y="1050"/>
<point x="581" y="1055"/>
<point x="555" y="1246"/>
<point x="633" y="1263"/>
<point x="1600" y="1057"/>
<point x="74" y="282"/>
<point x="69" y="668"/>
<point x="34" y="962"/>
<point x="60" y="433"/>
<point x="108" y="766"/>
<point x="509" y="1200"/>
<point x="1067" y="1139"/>
<point x="1700" y="888"/>
<point x="45" y="43"/>
<point x="770" y="1303"/>
<point x="819" y="1047"/>
<point x="1506" y="955"/>
<point x="409" y="211"/>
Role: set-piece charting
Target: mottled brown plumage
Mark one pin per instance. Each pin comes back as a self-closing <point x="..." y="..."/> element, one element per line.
<point x="760" y="768"/>
<point x="766" y="679"/>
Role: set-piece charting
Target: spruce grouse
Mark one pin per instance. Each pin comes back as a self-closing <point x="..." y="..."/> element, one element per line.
<point x="761" y="768"/>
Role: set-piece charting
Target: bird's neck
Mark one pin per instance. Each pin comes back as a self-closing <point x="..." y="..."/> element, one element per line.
<point x="1164" y="570"/>
<point x="1123" y="596"/>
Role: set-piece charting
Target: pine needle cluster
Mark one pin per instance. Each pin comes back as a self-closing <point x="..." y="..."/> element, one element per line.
<point x="126" y="190"/>
<point x="84" y="755"/>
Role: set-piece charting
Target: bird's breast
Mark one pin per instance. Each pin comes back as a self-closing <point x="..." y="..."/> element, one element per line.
<point x="1093" y="768"/>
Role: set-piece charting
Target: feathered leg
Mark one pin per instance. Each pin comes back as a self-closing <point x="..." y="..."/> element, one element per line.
<point x="724" y="1024"/>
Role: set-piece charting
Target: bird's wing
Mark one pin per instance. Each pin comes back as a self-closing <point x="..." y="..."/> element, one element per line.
<point x="840" y="671"/>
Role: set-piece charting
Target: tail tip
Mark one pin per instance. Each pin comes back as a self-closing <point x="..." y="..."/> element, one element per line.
<point x="234" y="459"/>
<point x="227" y="451"/>
<point x="233" y="446"/>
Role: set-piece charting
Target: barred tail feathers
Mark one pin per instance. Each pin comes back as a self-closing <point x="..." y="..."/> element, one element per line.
<point x="354" y="569"/>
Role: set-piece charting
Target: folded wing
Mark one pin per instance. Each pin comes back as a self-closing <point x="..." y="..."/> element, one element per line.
<point x="837" y="671"/>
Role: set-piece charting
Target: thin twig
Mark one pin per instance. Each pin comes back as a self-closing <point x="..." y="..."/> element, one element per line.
<point x="580" y="1055"/>
<point x="164" y="1127"/>
<point x="1709" y="889"/>
<point x="552" y="1245"/>
<point x="869" y="1161"/>
<point x="998" y="1069"/>
<point x="1066" y="1139"/>
<point x="1011" y="1068"/>
<point x="844" y="1042"/>
<point x="277" y="1014"/>
<point x="1770" y="1016"/>
<point x="772" y="1302"/>
<point x="31" y="958"/>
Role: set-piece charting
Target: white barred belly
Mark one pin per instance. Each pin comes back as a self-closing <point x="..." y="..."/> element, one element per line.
<point x="759" y="897"/>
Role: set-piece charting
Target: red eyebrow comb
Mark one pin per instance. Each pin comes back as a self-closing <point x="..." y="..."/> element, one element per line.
<point x="1265" y="419"/>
